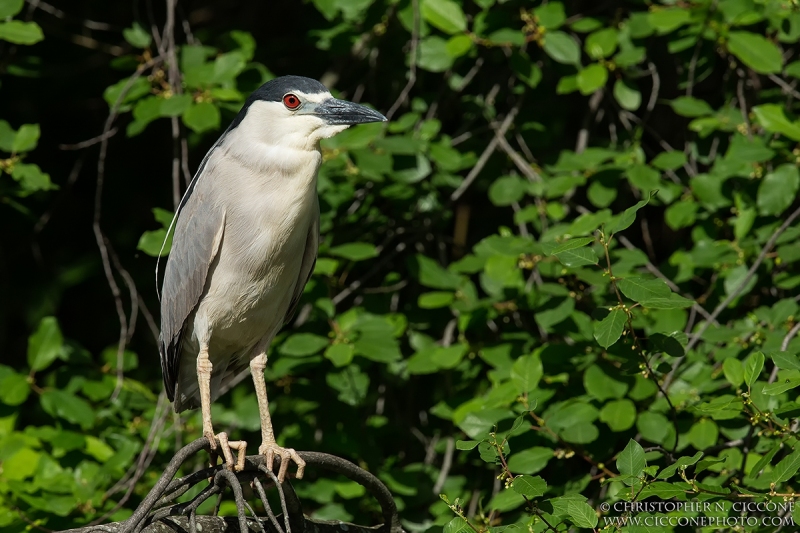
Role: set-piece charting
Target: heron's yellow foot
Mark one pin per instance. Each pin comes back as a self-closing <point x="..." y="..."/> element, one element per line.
<point x="225" y="446"/>
<point x="270" y="449"/>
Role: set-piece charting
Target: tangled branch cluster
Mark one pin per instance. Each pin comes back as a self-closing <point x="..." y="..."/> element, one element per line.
<point x="161" y="512"/>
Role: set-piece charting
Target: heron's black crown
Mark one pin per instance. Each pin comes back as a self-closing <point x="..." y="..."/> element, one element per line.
<point x="274" y="90"/>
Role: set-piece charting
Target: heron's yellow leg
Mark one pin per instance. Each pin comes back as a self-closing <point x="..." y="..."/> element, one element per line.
<point x="269" y="447"/>
<point x="204" y="368"/>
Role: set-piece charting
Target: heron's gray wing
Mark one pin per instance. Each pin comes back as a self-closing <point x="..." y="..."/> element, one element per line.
<point x="307" y="266"/>
<point x="198" y="234"/>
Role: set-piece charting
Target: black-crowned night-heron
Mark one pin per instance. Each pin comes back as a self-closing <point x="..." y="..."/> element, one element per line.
<point x="245" y="243"/>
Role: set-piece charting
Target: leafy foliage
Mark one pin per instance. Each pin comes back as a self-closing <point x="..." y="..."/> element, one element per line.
<point x="568" y="264"/>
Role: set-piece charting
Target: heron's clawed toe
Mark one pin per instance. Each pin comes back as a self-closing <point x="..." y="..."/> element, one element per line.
<point x="225" y="446"/>
<point x="270" y="449"/>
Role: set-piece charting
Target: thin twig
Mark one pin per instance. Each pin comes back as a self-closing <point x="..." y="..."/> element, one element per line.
<point x="89" y="142"/>
<point x="656" y="272"/>
<point x="743" y="104"/>
<point x="784" y="346"/>
<point x="412" y="63"/>
<point x="583" y="134"/>
<point x="734" y="294"/>
<point x="487" y="152"/>
<point x="447" y="462"/>
<point x="788" y="89"/>
<point x="100" y="238"/>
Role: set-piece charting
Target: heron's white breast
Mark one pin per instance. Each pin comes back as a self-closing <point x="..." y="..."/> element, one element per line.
<point x="269" y="197"/>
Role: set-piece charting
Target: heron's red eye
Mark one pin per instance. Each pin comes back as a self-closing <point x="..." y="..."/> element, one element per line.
<point x="291" y="101"/>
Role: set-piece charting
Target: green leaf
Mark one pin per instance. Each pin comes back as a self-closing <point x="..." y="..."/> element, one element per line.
<point x="658" y="342"/>
<point x="529" y="486"/>
<point x="666" y="20"/>
<point x="7" y="135"/>
<point x="734" y="373"/>
<point x="137" y="36"/>
<point x="303" y="344"/>
<point x="466" y="444"/>
<point x="175" y="105"/>
<point x="552" y="248"/>
<point x="202" y="117"/>
<point x="793" y="69"/>
<point x="641" y="289"/>
<point x="609" y="330"/>
<point x="681" y="214"/>
<point x="531" y="460"/>
<point x="351" y="384"/>
<point x="624" y="220"/>
<point x="681" y="463"/>
<point x="581" y="514"/>
<point x="580" y="433"/>
<point x="445" y="15"/>
<point x="151" y="242"/>
<point x="786" y="361"/>
<point x="752" y="368"/>
<point x="628" y="97"/>
<point x="772" y="118"/>
<point x="786" y="468"/>
<point x="9" y="8"/>
<point x="525" y="69"/>
<point x="551" y="15"/>
<point x="620" y="415"/>
<point x="780" y="386"/>
<point x="477" y="423"/>
<point x="592" y="78"/>
<point x="601" y="44"/>
<point x="14" y="387"/>
<point x="435" y="300"/>
<point x="507" y="190"/>
<point x="778" y="189"/>
<point x="31" y="178"/>
<point x="526" y="372"/>
<point x="18" y="32"/>
<point x="764" y="461"/>
<point x="457" y="525"/>
<point x="755" y="51"/>
<point x="44" y="344"/>
<point x="21" y="465"/>
<point x="691" y="107"/>
<point x="703" y="434"/>
<point x="631" y="461"/>
<point x="430" y="274"/>
<point x="355" y="251"/>
<point x="578" y="257"/>
<point x="674" y="301"/>
<point x="26" y="139"/>
<point x="663" y="490"/>
<point x="340" y="354"/>
<point x="135" y="90"/>
<point x="62" y="404"/>
<point x="563" y="48"/>
<point x="459" y="45"/>
<point x="601" y="385"/>
<point x="434" y="55"/>
<point x="669" y="160"/>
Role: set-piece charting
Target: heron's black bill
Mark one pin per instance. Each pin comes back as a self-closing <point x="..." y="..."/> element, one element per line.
<point x="341" y="112"/>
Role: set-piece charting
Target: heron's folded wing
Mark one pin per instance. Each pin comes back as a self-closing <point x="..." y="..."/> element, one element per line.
<point x="307" y="266"/>
<point x="198" y="234"/>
